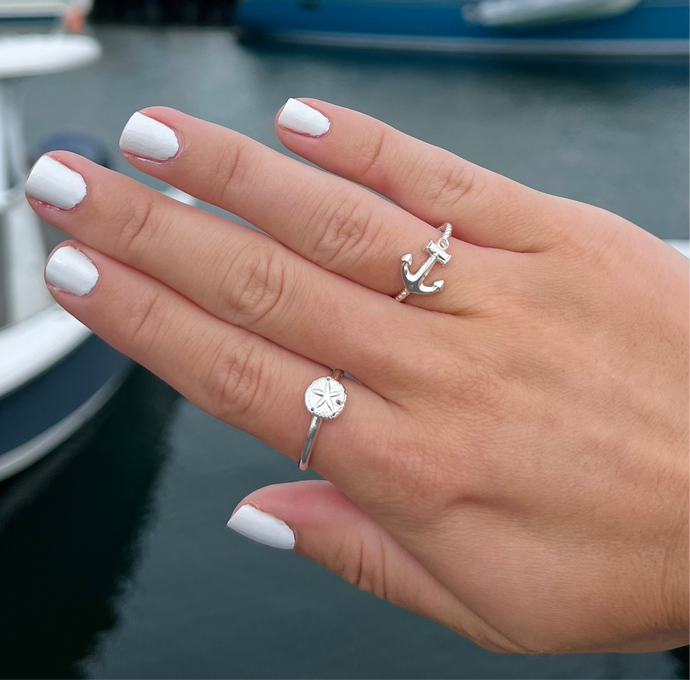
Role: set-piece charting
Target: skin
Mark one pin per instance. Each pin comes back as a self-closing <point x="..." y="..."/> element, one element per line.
<point x="513" y="460"/>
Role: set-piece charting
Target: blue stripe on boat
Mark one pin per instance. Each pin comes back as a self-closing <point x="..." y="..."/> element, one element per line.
<point x="49" y="20"/>
<point x="651" y="20"/>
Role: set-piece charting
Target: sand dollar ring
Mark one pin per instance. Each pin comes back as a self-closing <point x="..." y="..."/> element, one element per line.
<point x="325" y="399"/>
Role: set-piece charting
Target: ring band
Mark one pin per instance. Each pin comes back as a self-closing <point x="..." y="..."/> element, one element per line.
<point x="325" y="399"/>
<point x="414" y="282"/>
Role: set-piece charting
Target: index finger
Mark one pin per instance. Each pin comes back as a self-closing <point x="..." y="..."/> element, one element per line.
<point x="433" y="184"/>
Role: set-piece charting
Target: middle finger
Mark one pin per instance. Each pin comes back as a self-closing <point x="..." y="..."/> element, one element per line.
<point x="238" y="274"/>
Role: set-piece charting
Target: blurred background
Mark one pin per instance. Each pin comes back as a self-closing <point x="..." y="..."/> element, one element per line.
<point x="114" y="491"/>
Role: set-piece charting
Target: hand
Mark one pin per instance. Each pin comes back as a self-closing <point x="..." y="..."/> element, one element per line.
<point x="513" y="460"/>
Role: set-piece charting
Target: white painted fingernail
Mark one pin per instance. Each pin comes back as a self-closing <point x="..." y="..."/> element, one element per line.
<point x="56" y="184"/>
<point x="149" y="138"/>
<point x="262" y="528"/>
<point x="70" y="270"/>
<point x="299" y="117"/>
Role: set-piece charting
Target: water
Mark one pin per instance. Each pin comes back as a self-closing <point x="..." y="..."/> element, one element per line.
<point x="114" y="558"/>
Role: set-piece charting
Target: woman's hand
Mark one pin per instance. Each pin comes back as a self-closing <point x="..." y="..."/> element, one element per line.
<point x="513" y="460"/>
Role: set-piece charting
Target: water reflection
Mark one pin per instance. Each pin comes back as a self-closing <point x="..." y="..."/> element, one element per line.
<point x="682" y="662"/>
<point x="69" y="529"/>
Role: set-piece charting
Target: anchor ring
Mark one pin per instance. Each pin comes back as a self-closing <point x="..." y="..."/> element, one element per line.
<point x="414" y="282"/>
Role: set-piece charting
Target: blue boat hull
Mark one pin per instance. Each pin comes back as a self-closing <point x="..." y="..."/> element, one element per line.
<point x="655" y="27"/>
<point x="42" y="413"/>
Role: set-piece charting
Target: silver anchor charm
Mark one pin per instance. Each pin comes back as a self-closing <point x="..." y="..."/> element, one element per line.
<point x="414" y="283"/>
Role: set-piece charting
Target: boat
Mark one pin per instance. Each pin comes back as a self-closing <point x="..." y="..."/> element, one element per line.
<point x="597" y="28"/>
<point x="54" y="374"/>
<point x="68" y="14"/>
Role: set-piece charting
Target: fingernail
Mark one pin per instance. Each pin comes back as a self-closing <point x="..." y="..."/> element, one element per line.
<point x="262" y="528"/>
<point x="299" y="117"/>
<point x="70" y="270"/>
<point x="148" y="138"/>
<point x="56" y="184"/>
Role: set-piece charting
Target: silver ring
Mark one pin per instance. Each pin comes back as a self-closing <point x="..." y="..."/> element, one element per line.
<point x="414" y="282"/>
<point x="325" y="399"/>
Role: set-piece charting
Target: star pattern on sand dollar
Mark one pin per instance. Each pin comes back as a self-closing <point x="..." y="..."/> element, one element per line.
<point x="325" y="398"/>
<point x="328" y="396"/>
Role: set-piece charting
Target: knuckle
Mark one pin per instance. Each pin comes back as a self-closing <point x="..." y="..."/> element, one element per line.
<point x="139" y="223"/>
<point x="479" y="380"/>
<point x="346" y="230"/>
<point x="372" y="152"/>
<point x="452" y="182"/>
<point x="255" y="285"/>
<point x="421" y="483"/>
<point x="362" y="563"/>
<point x="235" y="379"/>
<point x="581" y="235"/>
<point x="146" y="318"/>
<point x="417" y="485"/>
<point x="480" y="383"/>
<point x="411" y="483"/>
<point x="230" y="171"/>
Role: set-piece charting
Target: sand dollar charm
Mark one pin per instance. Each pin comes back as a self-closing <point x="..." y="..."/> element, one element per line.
<point x="325" y="398"/>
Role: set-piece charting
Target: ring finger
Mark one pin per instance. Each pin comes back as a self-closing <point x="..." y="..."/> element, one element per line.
<point x="227" y="371"/>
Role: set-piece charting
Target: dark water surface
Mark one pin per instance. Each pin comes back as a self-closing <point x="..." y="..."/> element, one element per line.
<point x="114" y="557"/>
